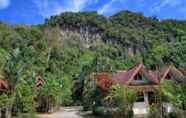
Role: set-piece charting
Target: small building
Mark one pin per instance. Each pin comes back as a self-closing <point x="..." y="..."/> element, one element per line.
<point x="45" y="103"/>
<point x="144" y="81"/>
<point x="39" y="82"/>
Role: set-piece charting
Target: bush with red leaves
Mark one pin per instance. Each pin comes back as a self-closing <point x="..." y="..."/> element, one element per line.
<point x="104" y="82"/>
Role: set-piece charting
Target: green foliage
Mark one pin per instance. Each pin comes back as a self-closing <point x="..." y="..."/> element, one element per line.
<point x="5" y="101"/>
<point x="155" y="112"/>
<point x="81" y="19"/>
<point x="69" y="47"/>
<point x="4" y="55"/>
<point x="157" y="55"/>
<point x="149" y="39"/>
<point x="89" y="92"/>
<point x="66" y="91"/>
<point x="175" y="94"/>
<point x="24" y="100"/>
<point x="124" y="98"/>
<point x="54" y="89"/>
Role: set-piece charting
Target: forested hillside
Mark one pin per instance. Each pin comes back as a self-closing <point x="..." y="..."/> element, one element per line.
<point x="69" y="47"/>
<point x="131" y="34"/>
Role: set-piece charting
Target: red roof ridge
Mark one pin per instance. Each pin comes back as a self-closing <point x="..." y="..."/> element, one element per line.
<point x="125" y="77"/>
<point x="167" y="70"/>
<point x="138" y="68"/>
<point x="171" y="68"/>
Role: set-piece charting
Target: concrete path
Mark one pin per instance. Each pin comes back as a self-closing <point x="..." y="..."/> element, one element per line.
<point x="71" y="112"/>
<point x="66" y="112"/>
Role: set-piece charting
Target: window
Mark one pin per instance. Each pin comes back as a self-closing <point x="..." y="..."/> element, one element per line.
<point x="168" y="77"/>
<point x="151" y="97"/>
<point x="140" y="97"/>
<point x="138" y="77"/>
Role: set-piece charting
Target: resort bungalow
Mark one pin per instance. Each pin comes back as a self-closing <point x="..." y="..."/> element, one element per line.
<point x="4" y="88"/>
<point x="44" y="102"/>
<point x="144" y="81"/>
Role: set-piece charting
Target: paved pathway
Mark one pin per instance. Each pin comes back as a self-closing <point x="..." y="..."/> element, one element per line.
<point x="66" y="112"/>
<point x="69" y="112"/>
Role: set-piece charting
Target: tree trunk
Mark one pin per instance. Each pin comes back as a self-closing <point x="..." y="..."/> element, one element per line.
<point x="8" y="112"/>
<point x="49" y="106"/>
<point x="0" y="113"/>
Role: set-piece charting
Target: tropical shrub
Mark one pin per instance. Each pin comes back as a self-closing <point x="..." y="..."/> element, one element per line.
<point x="176" y="95"/>
<point x="66" y="91"/>
<point x="124" y="99"/>
<point x="89" y="92"/>
<point x="52" y="89"/>
<point x="25" y="98"/>
<point x="5" y="100"/>
<point x="104" y="82"/>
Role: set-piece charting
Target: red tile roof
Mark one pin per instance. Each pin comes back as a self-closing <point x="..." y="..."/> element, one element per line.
<point x="165" y="73"/>
<point x="173" y="71"/>
<point x="123" y="77"/>
<point x="153" y="76"/>
<point x="126" y="76"/>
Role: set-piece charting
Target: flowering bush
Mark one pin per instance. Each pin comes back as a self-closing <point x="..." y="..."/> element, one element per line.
<point x="104" y="82"/>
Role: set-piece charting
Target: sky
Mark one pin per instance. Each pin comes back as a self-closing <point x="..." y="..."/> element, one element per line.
<point x="36" y="11"/>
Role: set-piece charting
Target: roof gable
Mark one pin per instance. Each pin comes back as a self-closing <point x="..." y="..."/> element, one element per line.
<point x="172" y="71"/>
<point x="127" y="76"/>
<point x="39" y="82"/>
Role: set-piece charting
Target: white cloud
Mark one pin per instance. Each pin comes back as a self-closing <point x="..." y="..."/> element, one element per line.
<point x="78" y="4"/>
<point x="51" y="7"/>
<point x="113" y="6"/>
<point x="47" y="7"/>
<point x="163" y="3"/>
<point x="106" y="7"/>
<point x="4" y="4"/>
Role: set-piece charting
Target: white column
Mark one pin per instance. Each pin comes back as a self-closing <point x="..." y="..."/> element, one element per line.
<point x="146" y="99"/>
<point x="8" y="112"/>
